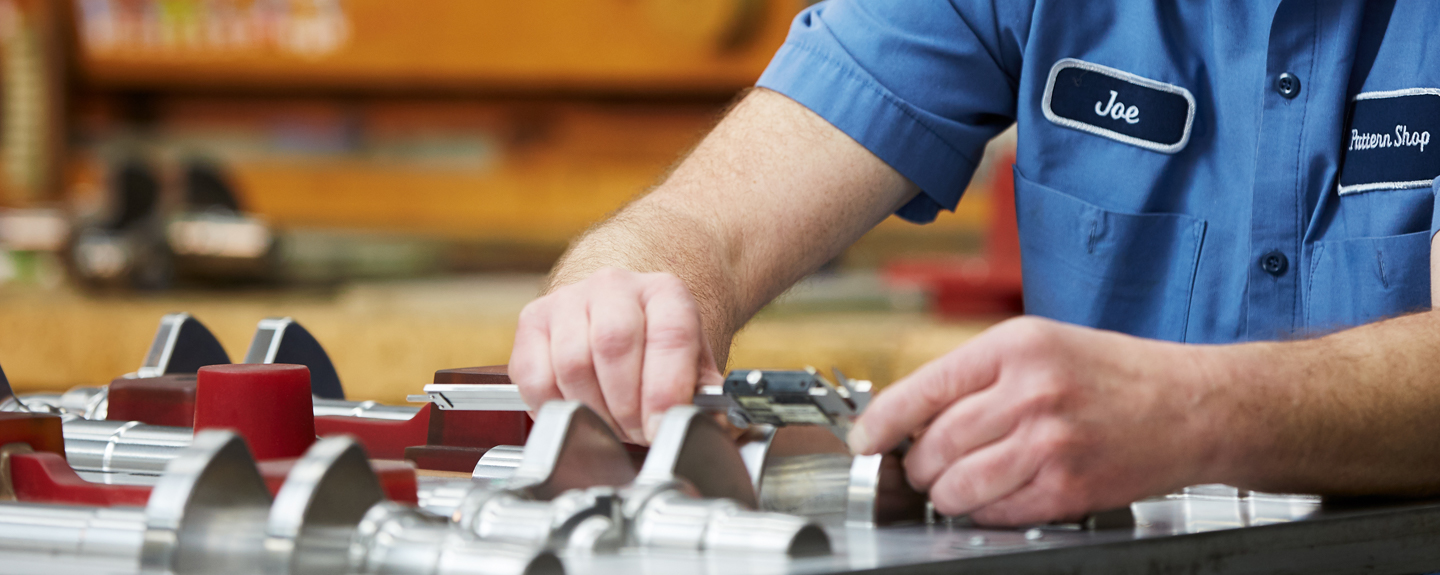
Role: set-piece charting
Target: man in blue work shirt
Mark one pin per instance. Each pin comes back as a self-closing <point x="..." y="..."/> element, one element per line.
<point x="1231" y="172"/>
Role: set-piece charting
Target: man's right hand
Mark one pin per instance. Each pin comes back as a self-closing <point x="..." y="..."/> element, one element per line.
<point x="628" y="345"/>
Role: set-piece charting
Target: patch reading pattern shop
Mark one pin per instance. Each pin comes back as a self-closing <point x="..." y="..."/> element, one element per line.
<point x="1389" y="143"/>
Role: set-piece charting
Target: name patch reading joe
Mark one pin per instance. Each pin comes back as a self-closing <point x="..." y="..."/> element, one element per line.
<point x="1392" y="142"/>
<point x="1119" y="105"/>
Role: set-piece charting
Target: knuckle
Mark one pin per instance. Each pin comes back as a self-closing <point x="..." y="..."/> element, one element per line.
<point x="671" y="336"/>
<point x="609" y="277"/>
<point x="535" y="311"/>
<point x="572" y="367"/>
<point x="613" y="340"/>
<point x="672" y="285"/>
<point x="522" y="374"/>
<point x="1026" y="333"/>
<point x="938" y="391"/>
<point x="1055" y="442"/>
<point x="918" y="471"/>
<point x="953" y="498"/>
<point x="946" y="503"/>
<point x="1045" y="397"/>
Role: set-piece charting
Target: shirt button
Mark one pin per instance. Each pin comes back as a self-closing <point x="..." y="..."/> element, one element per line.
<point x="1288" y="85"/>
<point x="1274" y="263"/>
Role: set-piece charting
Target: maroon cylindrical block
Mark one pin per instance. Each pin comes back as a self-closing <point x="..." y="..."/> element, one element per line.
<point x="268" y="405"/>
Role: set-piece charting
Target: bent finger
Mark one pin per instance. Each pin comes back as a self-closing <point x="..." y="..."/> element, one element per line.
<point x="673" y="352"/>
<point x="570" y="356"/>
<point x="985" y="476"/>
<point x="530" y="368"/>
<point x="967" y="425"/>
<point x="617" y="341"/>
<point x="1039" y="501"/>
<point x="910" y="404"/>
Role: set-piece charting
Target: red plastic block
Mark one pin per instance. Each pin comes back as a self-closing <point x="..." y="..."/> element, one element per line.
<point x="492" y="374"/>
<point x="383" y="439"/>
<point x="268" y="405"/>
<point x="479" y="428"/>
<point x="41" y="431"/>
<point x="163" y="400"/>
<point x="397" y="478"/>
<point x="47" y="478"/>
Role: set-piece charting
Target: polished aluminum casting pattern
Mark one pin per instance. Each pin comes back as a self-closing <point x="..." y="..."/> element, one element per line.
<point x="694" y="492"/>
<point x="211" y="489"/>
<point x="562" y="493"/>
<point x="211" y="513"/>
<point x="122" y="446"/>
<point x="576" y="490"/>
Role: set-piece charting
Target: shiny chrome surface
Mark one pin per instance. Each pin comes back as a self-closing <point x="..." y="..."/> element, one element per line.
<point x="370" y="409"/>
<point x="694" y="493"/>
<point x="473" y="397"/>
<point x="83" y="402"/>
<point x="127" y="446"/>
<point x="666" y="516"/>
<point x="132" y="447"/>
<point x="561" y="493"/>
<point x="207" y="513"/>
<point x="569" y="447"/>
<point x="498" y="464"/>
<point x="689" y="446"/>
<point x="211" y="513"/>
<point x="396" y="540"/>
<point x="211" y="487"/>
<point x="100" y="535"/>
<point x="315" y="514"/>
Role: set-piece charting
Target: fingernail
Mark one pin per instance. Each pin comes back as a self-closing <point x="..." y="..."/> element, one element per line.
<point x="652" y="425"/>
<point x="858" y="439"/>
<point x="634" y="434"/>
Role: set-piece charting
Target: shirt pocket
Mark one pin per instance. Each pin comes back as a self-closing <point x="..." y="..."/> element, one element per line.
<point x="1083" y="264"/>
<point x="1361" y="280"/>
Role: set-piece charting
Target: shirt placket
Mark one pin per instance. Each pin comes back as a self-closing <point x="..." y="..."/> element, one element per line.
<point x="1276" y="219"/>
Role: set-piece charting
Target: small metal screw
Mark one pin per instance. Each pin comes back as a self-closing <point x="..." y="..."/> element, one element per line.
<point x="1034" y="534"/>
<point x="977" y="540"/>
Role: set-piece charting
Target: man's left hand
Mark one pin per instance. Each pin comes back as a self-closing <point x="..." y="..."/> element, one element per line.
<point x="1036" y="421"/>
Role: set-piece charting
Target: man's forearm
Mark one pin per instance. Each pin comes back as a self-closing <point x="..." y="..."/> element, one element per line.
<point x="1354" y="412"/>
<point x="768" y="197"/>
<point x="647" y="236"/>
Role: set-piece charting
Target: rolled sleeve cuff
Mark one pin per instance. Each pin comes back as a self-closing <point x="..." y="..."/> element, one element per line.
<point x="847" y="97"/>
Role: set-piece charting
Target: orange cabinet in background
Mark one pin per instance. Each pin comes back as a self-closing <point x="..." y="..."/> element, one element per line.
<point x="674" y="46"/>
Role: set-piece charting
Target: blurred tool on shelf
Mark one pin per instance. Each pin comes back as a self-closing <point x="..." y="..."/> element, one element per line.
<point x="159" y="143"/>
<point x="987" y="284"/>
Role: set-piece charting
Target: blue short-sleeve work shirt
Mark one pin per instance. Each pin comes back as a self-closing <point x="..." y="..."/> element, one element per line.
<point x="1194" y="171"/>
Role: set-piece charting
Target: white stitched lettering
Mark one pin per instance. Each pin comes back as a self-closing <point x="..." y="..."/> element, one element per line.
<point x="1118" y="110"/>
<point x="1403" y="137"/>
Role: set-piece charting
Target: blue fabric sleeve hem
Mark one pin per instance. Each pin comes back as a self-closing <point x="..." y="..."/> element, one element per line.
<point x="857" y="105"/>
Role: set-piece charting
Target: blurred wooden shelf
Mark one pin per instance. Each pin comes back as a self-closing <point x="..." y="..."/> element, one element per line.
<point x="608" y="45"/>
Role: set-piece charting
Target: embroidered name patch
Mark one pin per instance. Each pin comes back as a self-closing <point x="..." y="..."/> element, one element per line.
<point x="1119" y="105"/>
<point x="1393" y="142"/>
